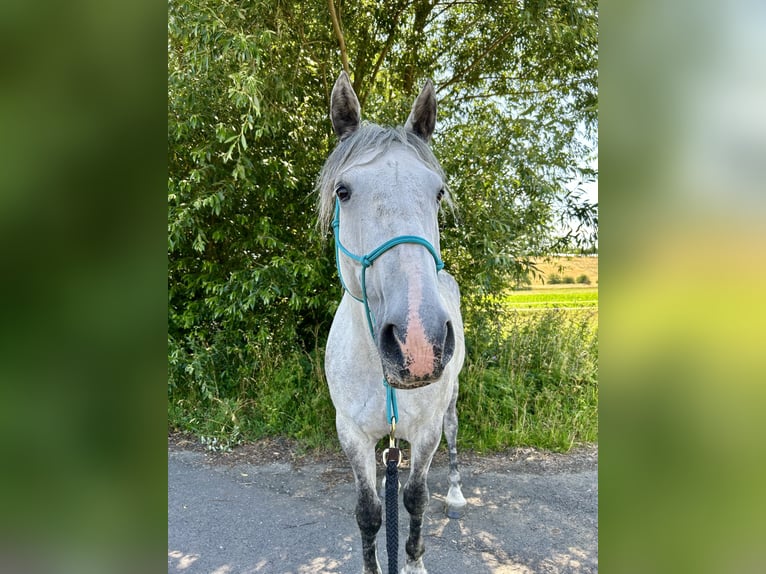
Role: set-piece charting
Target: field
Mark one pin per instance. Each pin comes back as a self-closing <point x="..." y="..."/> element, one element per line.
<point x="542" y="295"/>
<point x="572" y="267"/>
<point x="539" y="384"/>
<point x="577" y="297"/>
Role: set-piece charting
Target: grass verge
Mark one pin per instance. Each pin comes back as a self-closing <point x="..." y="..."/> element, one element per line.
<point x="538" y="385"/>
<point x="529" y="380"/>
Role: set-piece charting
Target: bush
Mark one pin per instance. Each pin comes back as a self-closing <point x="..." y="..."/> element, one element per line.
<point x="232" y="389"/>
<point x="554" y="279"/>
<point x="536" y="385"/>
<point x="529" y="379"/>
<point x="583" y="279"/>
<point x="568" y="280"/>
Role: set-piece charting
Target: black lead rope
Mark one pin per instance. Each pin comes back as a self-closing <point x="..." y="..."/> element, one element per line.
<point x="392" y="508"/>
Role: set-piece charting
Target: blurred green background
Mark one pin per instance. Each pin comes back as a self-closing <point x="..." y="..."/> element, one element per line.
<point x="82" y="236"/>
<point x="682" y="363"/>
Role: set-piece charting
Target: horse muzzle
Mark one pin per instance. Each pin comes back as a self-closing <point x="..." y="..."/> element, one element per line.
<point x="414" y="357"/>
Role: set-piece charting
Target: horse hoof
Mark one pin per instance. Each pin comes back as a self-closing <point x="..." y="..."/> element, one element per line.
<point x="454" y="511"/>
<point x="414" y="568"/>
<point x="454" y="504"/>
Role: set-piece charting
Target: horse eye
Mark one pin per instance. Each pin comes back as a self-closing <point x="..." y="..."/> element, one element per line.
<point x="342" y="193"/>
<point x="440" y="195"/>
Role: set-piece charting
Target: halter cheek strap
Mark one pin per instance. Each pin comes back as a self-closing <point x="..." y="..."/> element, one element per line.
<point x="366" y="261"/>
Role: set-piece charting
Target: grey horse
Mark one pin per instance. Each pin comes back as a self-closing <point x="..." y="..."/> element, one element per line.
<point x="398" y="324"/>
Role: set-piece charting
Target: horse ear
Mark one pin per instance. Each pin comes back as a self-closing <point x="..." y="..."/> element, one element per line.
<point x="344" y="107"/>
<point x="422" y="119"/>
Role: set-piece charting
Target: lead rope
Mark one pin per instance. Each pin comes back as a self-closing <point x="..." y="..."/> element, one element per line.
<point x="392" y="456"/>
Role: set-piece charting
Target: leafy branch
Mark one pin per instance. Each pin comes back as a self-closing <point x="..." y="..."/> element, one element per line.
<point x="339" y="35"/>
<point x="464" y="74"/>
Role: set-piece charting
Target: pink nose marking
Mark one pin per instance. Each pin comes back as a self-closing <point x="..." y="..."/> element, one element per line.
<point x="418" y="352"/>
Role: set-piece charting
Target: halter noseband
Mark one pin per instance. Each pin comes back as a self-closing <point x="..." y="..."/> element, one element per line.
<point x="366" y="261"/>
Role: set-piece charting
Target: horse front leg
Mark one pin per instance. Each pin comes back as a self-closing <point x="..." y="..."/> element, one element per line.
<point x="361" y="454"/>
<point x="455" y="503"/>
<point x="416" y="498"/>
<point x="368" y="518"/>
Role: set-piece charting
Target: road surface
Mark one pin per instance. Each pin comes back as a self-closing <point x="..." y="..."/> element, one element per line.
<point x="264" y="510"/>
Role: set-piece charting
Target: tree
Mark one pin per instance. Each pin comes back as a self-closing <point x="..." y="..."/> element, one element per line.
<point x="248" y="93"/>
<point x="247" y="273"/>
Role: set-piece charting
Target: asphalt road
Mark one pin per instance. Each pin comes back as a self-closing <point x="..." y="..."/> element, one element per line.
<point x="528" y="512"/>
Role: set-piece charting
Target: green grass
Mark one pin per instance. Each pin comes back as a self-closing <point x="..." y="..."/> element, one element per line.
<point x="536" y="386"/>
<point x="552" y="299"/>
<point x="280" y="394"/>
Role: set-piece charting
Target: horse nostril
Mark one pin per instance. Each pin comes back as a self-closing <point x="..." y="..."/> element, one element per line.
<point x="389" y="344"/>
<point x="448" y="348"/>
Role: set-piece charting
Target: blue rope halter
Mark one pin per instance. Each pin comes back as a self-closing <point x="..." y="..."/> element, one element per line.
<point x="366" y="261"/>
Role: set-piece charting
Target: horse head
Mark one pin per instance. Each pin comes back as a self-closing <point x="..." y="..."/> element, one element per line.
<point x="386" y="187"/>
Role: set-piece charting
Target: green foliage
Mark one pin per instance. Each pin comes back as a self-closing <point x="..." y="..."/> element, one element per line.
<point x="251" y="284"/>
<point x="276" y="394"/>
<point x="531" y="380"/>
<point x="554" y="279"/>
<point x="584" y="279"/>
<point x="568" y="280"/>
<point x="537" y="385"/>
<point x="247" y="272"/>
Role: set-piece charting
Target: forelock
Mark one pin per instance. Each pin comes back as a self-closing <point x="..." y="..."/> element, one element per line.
<point x="368" y="138"/>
